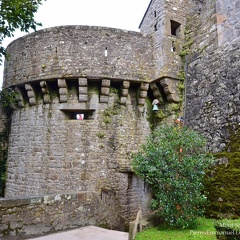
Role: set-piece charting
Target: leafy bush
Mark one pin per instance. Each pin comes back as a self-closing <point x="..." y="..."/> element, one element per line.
<point x="173" y="162"/>
<point x="8" y="97"/>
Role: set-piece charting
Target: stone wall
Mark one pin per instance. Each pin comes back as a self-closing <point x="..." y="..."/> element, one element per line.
<point x="102" y="76"/>
<point x="228" y="24"/>
<point x="4" y="130"/>
<point x="212" y="107"/>
<point x="160" y="22"/>
<point x="201" y="29"/>
<point x="51" y="151"/>
<point x="75" y="51"/>
<point x="213" y="94"/>
<point x="22" y="218"/>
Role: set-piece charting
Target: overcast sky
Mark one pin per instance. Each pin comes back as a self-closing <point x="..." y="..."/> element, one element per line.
<point x="123" y="14"/>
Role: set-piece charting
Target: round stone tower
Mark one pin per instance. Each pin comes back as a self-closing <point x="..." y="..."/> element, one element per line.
<point x="80" y="115"/>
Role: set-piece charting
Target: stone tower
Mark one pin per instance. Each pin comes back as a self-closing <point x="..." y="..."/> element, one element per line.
<point x="86" y="99"/>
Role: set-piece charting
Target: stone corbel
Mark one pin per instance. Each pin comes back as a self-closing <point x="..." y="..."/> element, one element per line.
<point x="105" y="90"/>
<point x="83" y="89"/>
<point x="62" y="90"/>
<point x="156" y="93"/>
<point x="31" y="94"/>
<point x="170" y="89"/>
<point x="143" y="93"/>
<point x="45" y="91"/>
<point x="124" y="92"/>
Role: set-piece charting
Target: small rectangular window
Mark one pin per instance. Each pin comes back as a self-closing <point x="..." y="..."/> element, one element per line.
<point x="175" y="28"/>
<point x="78" y="114"/>
<point x="173" y="48"/>
<point x="106" y="52"/>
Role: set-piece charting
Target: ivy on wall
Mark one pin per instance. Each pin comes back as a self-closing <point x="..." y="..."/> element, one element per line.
<point x="8" y="98"/>
<point x="3" y="159"/>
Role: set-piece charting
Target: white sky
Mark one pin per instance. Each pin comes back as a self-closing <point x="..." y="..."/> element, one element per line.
<point x="123" y="14"/>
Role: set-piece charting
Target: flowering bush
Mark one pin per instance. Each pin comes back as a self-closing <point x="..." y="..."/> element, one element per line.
<point x="173" y="162"/>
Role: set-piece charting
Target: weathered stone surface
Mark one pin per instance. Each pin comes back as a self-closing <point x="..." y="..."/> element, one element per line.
<point x="34" y="216"/>
<point x="213" y="94"/>
<point x="60" y="153"/>
<point x="60" y="76"/>
<point x="58" y="55"/>
<point x="82" y="82"/>
<point x="170" y="89"/>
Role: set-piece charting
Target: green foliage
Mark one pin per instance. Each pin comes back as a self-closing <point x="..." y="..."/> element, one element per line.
<point x="203" y="230"/>
<point x="108" y="113"/>
<point x="173" y="162"/>
<point x="181" y="75"/>
<point x="16" y="14"/>
<point x="100" y="134"/>
<point x="114" y="90"/>
<point x="3" y="158"/>
<point x="227" y="229"/>
<point x="8" y="98"/>
<point x="188" y="42"/>
<point x="233" y="224"/>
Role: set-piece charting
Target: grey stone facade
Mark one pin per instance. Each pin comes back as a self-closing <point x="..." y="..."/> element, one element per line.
<point x="22" y="218"/>
<point x="110" y="77"/>
<point x="76" y="51"/>
<point x="213" y="94"/>
<point x="228" y="24"/>
<point x="165" y="22"/>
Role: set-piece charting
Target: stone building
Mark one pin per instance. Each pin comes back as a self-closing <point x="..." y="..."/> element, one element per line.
<point x="86" y="99"/>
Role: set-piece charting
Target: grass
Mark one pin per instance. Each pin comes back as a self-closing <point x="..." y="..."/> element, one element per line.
<point x="203" y="231"/>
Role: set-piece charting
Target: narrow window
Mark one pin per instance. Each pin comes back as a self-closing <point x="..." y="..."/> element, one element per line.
<point x="106" y="51"/>
<point x="175" y="28"/>
<point x="173" y="48"/>
<point x="155" y="27"/>
<point x="78" y="114"/>
<point x="155" y="14"/>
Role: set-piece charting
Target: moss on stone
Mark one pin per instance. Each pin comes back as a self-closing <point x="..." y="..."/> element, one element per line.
<point x="109" y="112"/>
<point x="223" y="181"/>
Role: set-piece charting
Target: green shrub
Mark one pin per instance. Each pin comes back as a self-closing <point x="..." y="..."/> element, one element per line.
<point x="227" y="229"/>
<point x="173" y="162"/>
<point x="8" y="98"/>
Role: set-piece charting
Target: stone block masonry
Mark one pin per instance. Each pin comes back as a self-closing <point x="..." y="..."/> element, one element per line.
<point x="76" y="51"/>
<point x="228" y="21"/>
<point x="22" y="218"/>
<point x="213" y="94"/>
<point x="85" y="104"/>
<point x="213" y="108"/>
<point x="78" y="142"/>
